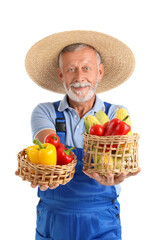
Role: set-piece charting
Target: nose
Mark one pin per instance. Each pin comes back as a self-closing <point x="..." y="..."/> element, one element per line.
<point x="79" y="76"/>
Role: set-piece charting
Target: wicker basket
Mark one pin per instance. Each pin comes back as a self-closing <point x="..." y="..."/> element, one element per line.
<point x="114" y="154"/>
<point x="44" y="174"/>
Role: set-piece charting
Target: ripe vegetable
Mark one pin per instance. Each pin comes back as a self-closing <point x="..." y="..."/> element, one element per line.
<point x="108" y="163"/>
<point x="105" y="125"/>
<point x="117" y="127"/>
<point x="52" y="139"/>
<point x="97" y="130"/>
<point x="90" y="121"/>
<point x="64" y="155"/>
<point x="42" y="153"/>
<point x="121" y="113"/>
<point x="118" y="163"/>
<point x="106" y="160"/>
<point x="102" y="117"/>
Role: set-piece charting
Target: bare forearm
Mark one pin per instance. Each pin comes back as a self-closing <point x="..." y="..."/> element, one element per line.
<point x="42" y="134"/>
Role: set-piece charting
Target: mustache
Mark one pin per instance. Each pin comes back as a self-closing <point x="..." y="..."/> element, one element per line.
<point x="76" y="84"/>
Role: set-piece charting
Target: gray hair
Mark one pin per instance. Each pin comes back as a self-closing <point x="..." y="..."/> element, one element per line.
<point x="75" y="47"/>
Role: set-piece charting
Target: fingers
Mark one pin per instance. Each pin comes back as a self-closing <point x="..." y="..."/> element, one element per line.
<point x="124" y="175"/>
<point x="33" y="186"/>
<point x="111" y="179"/>
<point x="119" y="179"/>
<point x="95" y="176"/>
<point x="108" y="180"/>
<point x="55" y="186"/>
<point x="103" y="180"/>
<point x="44" y="187"/>
<point x="134" y="174"/>
<point x="88" y="174"/>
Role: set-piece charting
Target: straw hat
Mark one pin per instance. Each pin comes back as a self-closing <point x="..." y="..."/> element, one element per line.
<point x="42" y="59"/>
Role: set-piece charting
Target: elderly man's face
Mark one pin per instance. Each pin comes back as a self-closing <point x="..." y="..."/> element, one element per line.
<point x="80" y="73"/>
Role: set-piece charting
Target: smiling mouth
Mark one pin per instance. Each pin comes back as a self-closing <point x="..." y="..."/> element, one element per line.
<point x="79" y="89"/>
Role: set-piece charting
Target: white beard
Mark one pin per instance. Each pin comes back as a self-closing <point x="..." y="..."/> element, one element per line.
<point x="76" y="98"/>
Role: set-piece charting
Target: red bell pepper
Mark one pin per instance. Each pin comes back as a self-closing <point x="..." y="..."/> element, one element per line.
<point x="105" y="125"/>
<point x="117" y="127"/>
<point x="64" y="155"/>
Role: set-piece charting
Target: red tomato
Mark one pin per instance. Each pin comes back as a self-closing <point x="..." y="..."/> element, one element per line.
<point x="52" y="139"/>
<point x="97" y="129"/>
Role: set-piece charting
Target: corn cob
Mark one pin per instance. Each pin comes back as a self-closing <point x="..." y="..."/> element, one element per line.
<point x="121" y="113"/>
<point x="108" y="163"/>
<point x="102" y="117"/>
<point x="90" y="121"/>
<point x="97" y="158"/>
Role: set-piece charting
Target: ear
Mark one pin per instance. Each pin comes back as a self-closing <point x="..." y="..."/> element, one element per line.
<point x="60" y="75"/>
<point x="100" y="72"/>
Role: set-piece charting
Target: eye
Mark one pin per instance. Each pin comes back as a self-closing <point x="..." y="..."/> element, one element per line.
<point x="71" y="69"/>
<point x="86" y="68"/>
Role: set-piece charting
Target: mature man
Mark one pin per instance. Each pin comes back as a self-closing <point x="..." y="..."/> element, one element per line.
<point x="86" y="207"/>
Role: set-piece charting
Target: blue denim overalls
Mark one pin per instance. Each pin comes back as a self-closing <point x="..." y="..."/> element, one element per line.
<point x="82" y="209"/>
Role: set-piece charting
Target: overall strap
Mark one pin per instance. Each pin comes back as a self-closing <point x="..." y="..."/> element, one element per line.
<point x="107" y="106"/>
<point x="60" y="123"/>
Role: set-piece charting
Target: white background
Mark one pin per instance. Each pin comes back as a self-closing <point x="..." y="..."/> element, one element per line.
<point x="136" y="23"/>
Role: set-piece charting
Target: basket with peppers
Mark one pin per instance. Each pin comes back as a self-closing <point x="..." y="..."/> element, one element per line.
<point x="110" y="145"/>
<point x="49" y="164"/>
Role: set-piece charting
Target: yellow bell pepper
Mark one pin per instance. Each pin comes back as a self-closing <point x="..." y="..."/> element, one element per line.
<point x="42" y="153"/>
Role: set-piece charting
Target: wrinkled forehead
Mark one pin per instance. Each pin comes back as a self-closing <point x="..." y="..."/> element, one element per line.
<point x="79" y="51"/>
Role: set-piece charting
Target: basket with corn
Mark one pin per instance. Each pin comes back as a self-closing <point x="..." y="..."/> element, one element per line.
<point x="110" y="145"/>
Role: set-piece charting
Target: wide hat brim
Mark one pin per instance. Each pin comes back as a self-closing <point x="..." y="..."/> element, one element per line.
<point x="42" y="59"/>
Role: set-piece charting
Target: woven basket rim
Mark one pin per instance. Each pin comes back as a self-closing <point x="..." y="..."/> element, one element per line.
<point x="111" y="137"/>
<point x="40" y="174"/>
<point x="49" y="166"/>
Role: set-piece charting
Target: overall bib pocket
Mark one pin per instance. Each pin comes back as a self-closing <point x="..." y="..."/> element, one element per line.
<point x="39" y="237"/>
<point x="44" y="222"/>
